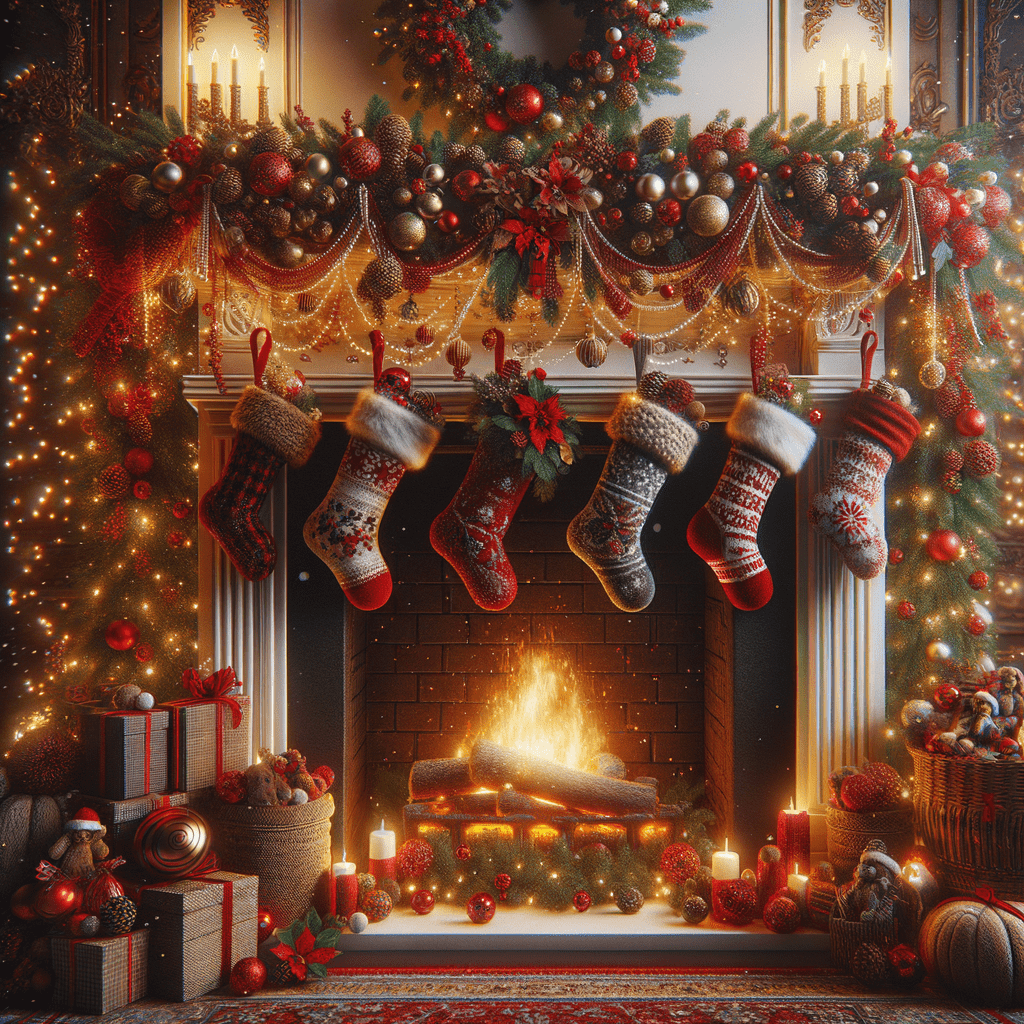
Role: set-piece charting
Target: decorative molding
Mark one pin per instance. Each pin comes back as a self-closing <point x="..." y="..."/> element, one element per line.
<point x="256" y="12"/>
<point x="1001" y="89"/>
<point x="925" y="28"/>
<point x="819" y="11"/>
<point x="926" y="103"/>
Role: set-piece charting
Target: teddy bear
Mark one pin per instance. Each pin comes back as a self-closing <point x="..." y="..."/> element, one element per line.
<point x="1008" y="690"/>
<point x="976" y="721"/>
<point x="264" y="787"/>
<point x="81" y="846"/>
<point x="870" y="896"/>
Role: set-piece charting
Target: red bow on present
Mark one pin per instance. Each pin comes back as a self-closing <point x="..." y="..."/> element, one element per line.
<point x="215" y="687"/>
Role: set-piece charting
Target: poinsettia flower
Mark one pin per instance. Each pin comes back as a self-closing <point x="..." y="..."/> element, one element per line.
<point x="543" y="418"/>
<point x="562" y="184"/>
<point x="304" y="953"/>
<point x="509" y="186"/>
<point x="532" y="228"/>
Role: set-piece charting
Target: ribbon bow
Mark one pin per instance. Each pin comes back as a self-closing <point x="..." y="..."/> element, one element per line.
<point x="214" y="687"/>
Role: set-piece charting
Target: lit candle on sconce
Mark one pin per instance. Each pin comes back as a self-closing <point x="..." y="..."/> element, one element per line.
<point x="382" y="853"/>
<point x="191" y="70"/>
<point x="821" y="75"/>
<point x="263" y="73"/>
<point x="887" y="90"/>
<point x="846" y="65"/>
<point x="236" y="89"/>
<point x="844" y="89"/>
<point x="214" y="64"/>
<point x="821" y="113"/>
<point x="263" y="116"/>
<point x="216" y="90"/>
<point x="234" y="65"/>
<point x="191" y="97"/>
<point x="863" y="68"/>
<point x="862" y="88"/>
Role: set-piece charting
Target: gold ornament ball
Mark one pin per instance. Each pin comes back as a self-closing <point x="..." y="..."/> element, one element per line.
<point x="932" y="374"/>
<point x="695" y="410"/>
<point x="433" y="174"/>
<point x="407" y="231"/>
<point x="613" y="35"/>
<point x="592" y="197"/>
<point x="707" y="216"/>
<point x="604" y="72"/>
<point x="879" y="216"/>
<point x="720" y="184"/>
<point x="232" y="151"/>
<point x="641" y="282"/>
<point x="836" y="157"/>
<point x="641" y="243"/>
<point x="590" y="103"/>
<point x="357" y="132"/>
<point x="340" y="183"/>
<point x="458" y="353"/>
<point x="938" y="650"/>
<point x="177" y="293"/>
<point x="988" y="177"/>
<point x="591" y="352"/>
<point x="301" y="187"/>
<point x="667" y="155"/>
<point x="317" y="165"/>
<point x="288" y="253"/>
<point x="902" y="157"/>
<point x="650" y="187"/>
<point x="167" y="176"/>
<point x="685" y="185"/>
<point x="552" y="121"/>
<point x="626" y="96"/>
<point x="401" y="196"/>
<point x="429" y="205"/>
<point x="716" y="160"/>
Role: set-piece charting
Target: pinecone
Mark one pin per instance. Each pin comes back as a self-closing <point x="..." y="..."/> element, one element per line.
<point x="114" y="482"/>
<point x="154" y="205"/>
<point x="415" y="162"/>
<point x="809" y="182"/>
<point x="869" y="963"/>
<point x="453" y="154"/>
<point x="626" y="96"/>
<point x="716" y="128"/>
<point x="629" y="899"/>
<point x="980" y="458"/>
<point x="858" y="161"/>
<point x="393" y="137"/>
<point x="140" y="430"/>
<point x="651" y="384"/>
<point x="279" y="222"/>
<point x="511" y="150"/>
<point x="476" y="157"/>
<point x="845" y="180"/>
<point x="641" y="282"/>
<point x="845" y="237"/>
<point x="879" y="268"/>
<point x="641" y="213"/>
<point x="383" y="277"/>
<point x="118" y="915"/>
<point x="485" y="219"/>
<point x="228" y="187"/>
<point x="133" y="188"/>
<point x="825" y="209"/>
<point x="519" y="439"/>
<point x="948" y="400"/>
<point x="273" y="139"/>
<point x="659" y="133"/>
<point x="867" y="245"/>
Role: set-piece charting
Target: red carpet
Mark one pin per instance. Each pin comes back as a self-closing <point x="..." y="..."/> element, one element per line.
<point x="568" y="996"/>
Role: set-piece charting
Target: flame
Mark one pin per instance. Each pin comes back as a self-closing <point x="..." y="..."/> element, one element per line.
<point x="546" y="717"/>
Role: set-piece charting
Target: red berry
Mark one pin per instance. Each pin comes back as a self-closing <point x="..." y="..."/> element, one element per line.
<point x="626" y="161"/>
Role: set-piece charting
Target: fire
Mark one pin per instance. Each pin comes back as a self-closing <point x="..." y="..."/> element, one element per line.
<point x="546" y="717"/>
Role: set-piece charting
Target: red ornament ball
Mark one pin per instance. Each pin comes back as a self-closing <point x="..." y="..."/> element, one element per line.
<point x="906" y="965"/>
<point x="524" y="103"/>
<point x="465" y="184"/>
<point x="943" y="545"/>
<point x="502" y="883"/>
<point x="142" y="489"/>
<point x="626" y="161"/>
<point x="396" y="378"/>
<point x="581" y="901"/>
<point x="265" y="924"/>
<point x="997" y="205"/>
<point x="182" y="509"/>
<point x="784" y="171"/>
<point x="946" y="697"/>
<point x="680" y="861"/>
<point x="423" y="901"/>
<point x="481" y="907"/>
<point x="970" y="243"/>
<point x="905" y="610"/>
<point x="138" y="461"/>
<point x="248" y="975"/>
<point x="747" y="172"/>
<point x="666" y="291"/>
<point x="496" y="120"/>
<point x="230" y="787"/>
<point x="971" y="422"/>
<point x="815" y="416"/>
<point x="122" y="635"/>
<point x="669" y="211"/>
<point x="976" y="625"/>
<point x="143" y="652"/>
<point x="736" y="140"/>
<point x="781" y="915"/>
<point x="114" y="482"/>
<point x="59" y="898"/>
<point x="414" y="858"/>
<point x="360" y="158"/>
<point x="895" y="556"/>
<point x="734" y="901"/>
<point x="932" y="210"/>
<point x="376" y="905"/>
<point x="448" y="222"/>
<point x="463" y="852"/>
<point x="176" y="538"/>
<point x="978" y="580"/>
<point x="269" y="173"/>
<point x="23" y="901"/>
<point x="980" y="458"/>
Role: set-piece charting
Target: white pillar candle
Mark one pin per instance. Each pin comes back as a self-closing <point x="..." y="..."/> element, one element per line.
<point x="798" y="883"/>
<point x="888" y="70"/>
<point x="344" y="867"/>
<point x="846" y="65"/>
<point x="863" y="68"/>
<point x="382" y="843"/>
<point x="725" y="865"/>
<point x="214" y="61"/>
<point x="234" y="65"/>
<point x="191" y="70"/>
<point x="821" y="75"/>
<point x="263" y="74"/>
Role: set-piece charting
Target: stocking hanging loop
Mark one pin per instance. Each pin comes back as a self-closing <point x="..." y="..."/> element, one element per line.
<point x="260" y="357"/>
<point x="868" y="345"/>
<point x="377" y="343"/>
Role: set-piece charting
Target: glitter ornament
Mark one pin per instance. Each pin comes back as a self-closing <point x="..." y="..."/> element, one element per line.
<point x="707" y="216"/>
<point x="905" y="610"/>
<point x="407" y="231"/>
<point x="524" y="103"/>
<point x="269" y="174"/>
<point x="360" y="158"/>
<point x="480" y="907"/>
<point x="581" y="901"/>
<point x="413" y="858"/>
<point x="680" y="862"/>
<point x="502" y="883"/>
<point x="734" y="901"/>
<point x="997" y="205"/>
<point x="980" y="458"/>
<point x="383" y="276"/>
<point x="978" y="580"/>
<point x="720" y="184"/>
<point x="121" y="635"/>
<point x="248" y="975"/>
<point x="695" y="909"/>
<point x="943" y="545"/>
<point x="932" y="374"/>
<point x="376" y="904"/>
<point x="457" y="354"/>
<point x="781" y="915"/>
<point x="117" y="917"/>
<point x="114" y="482"/>
<point x="970" y="243"/>
<point x="462" y="852"/>
<point x="423" y="901"/>
<point x="971" y="422"/>
<point x="905" y="965"/>
<point x="629" y="899"/>
<point x="626" y="95"/>
<point x="976" y="625"/>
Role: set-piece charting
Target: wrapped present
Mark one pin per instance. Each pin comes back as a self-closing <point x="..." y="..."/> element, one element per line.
<point x="199" y="928"/>
<point x="125" y="751"/>
<point x="99" y="975"/>
<point x="122" y="817"/>
<point x="209" y="731"/>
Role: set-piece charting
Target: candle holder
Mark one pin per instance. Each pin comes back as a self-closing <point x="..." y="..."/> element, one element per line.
<point x="887" y="101"/>
<point x="822" y="116"/>
<point x="844" y="104"/>
<point x="236" y="104"/>
<point x="216" y="99"/>
<point x="264" y="105"/>
<point x="862" y="100"/>
<point x="192" y="102"/>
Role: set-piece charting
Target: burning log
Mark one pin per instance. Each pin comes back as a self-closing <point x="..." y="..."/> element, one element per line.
<point x="511" y="802"/>
<point x="497" y="767"/>
<point x="440" y="777"/>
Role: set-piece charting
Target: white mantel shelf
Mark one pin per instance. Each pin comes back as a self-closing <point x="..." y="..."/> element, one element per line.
<point x="654" y="928"/>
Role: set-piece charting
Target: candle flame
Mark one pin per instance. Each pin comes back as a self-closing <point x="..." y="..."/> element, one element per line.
<point x="846" y="52"/>
<point x="234" y="53"/>
<point x="263" y="66"/>
<point x="190" y="58"/>
<point x="214" y="58"/>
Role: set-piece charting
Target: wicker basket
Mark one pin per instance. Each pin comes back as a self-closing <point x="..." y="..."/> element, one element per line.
<point x="845" y="936"/>
<point x="288" y="847"/>
<point x="970" y="816"/>
<point x="850" y="831"/>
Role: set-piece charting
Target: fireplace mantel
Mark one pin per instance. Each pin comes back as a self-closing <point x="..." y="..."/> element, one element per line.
<point x="841" y="620"/>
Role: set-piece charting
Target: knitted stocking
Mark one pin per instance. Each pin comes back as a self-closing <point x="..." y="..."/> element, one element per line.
<point x="649" y="442"/>
<point x="271" y="432"/>
<point x="386" y="440"/>
<point x="767" y="441"/>
<point x="469" y="532"/>
<point x="877" y="431"/>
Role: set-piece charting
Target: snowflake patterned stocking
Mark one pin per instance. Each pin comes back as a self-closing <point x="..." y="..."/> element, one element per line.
<point x="767" y="441"/>
<point x="387" y="439"/>
<point x="468" y="534"/>
<point x="878" y="430"/>
<point x="271" y="432"/>
<point x="649" y="443"/>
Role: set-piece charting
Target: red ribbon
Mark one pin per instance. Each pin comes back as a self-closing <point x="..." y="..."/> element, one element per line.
<point x="103" y="745"/>
<point x="867" y="354"/>
<point x="377" y="344"/>
<point x="211" y="690"/>
<point x="214" y="687"/>
<point x="71" y="972"/>
<point x="259" y="359"/>
<point x="987" y="896"/>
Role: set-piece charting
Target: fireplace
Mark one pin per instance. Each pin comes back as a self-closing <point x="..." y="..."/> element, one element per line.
<point x="763" y="704"/>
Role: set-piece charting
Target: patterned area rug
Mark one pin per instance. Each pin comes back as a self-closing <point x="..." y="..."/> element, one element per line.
<point x="569" y="996"/>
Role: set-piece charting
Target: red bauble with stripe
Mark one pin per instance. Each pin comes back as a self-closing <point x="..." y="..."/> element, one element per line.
<point x="360" y="158"/>
<point x="524" y="103"/>
<point x="269" y="173"/>
<point x="970" y="243"/>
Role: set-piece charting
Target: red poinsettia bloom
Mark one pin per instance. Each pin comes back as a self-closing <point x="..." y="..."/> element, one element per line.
<point x="543" y="418"/>
<point x="532" y="228"/>
<point x="304" y="953"/>
<point x="562" y="184"/>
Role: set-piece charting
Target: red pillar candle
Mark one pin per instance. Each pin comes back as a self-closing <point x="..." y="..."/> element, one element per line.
<point x="347" y="889"/>
<point x="382" y="854"/>
<point x="771" y="874"/>
<point x="794" y="838"/>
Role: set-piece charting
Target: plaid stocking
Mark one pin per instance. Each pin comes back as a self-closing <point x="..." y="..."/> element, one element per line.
<point x="649" y="443"/>
<point x="342" y="532"/>
<point x="271" y="432"/>
<point x="767" y="442"/>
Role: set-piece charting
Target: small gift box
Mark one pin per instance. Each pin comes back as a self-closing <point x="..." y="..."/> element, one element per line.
<point x="99" y="975"/>
<point x="209" y="731"/>
<point x="122" y="817"/>
<point x="199" y="928"/>
<point x="125" y="751"/>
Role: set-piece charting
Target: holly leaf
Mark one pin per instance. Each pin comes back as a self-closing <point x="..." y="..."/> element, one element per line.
<point x="317" y="970"/>
<point x="531" y="458"/>
<point x="535" y="387"/>
<point x="941" y="253"/>
<point x="504" y="421"/>
<point x="290" y="935"/>
<point x="545" y="470"/>
<point x="328" y="937"/>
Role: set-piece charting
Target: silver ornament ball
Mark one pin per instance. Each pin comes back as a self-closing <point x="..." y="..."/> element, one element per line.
<point x="650" y="187"/>
<point x="429" y="205"/>
<point x="938" y="650"/>
<point x="613" y="35"/>
<point x="167" y="176"/>
<point x="667" y="155"/>
<point x="685" y="185"/>
<point x="433" y="174"/>
<point x="317" y="165"/>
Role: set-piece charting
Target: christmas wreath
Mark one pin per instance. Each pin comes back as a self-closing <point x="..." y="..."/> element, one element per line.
<point x="452" y="49"/>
